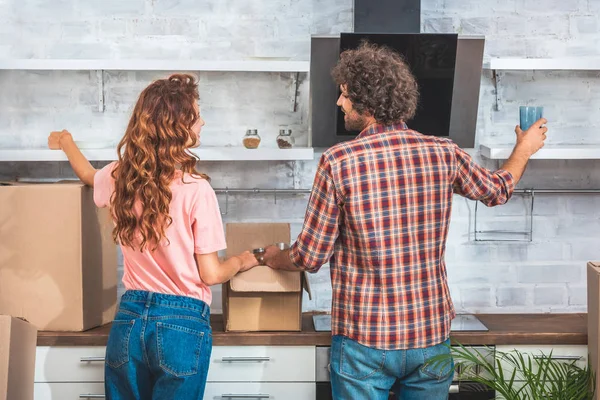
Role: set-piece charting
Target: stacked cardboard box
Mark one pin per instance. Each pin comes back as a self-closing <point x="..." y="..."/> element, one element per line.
<point x="593" y="292"/>
<point x="17" y="358"/>
<point x="58" y="263"/>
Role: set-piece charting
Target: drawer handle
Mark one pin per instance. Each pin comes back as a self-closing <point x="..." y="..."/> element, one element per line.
<point x="245" y="396"/>
<point x="454" y="389"/>
<point x="92" y="359"/>
<point x="92" y="396"/>
<point x="246" y="359"/>
<point x="563" y="358"/>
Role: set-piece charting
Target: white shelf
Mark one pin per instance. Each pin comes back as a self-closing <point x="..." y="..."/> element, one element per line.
<point x="157" y="65"/>
<point x="205" y="154"/>
<point x="588" y="64"/>
<point x="564" y="152"/>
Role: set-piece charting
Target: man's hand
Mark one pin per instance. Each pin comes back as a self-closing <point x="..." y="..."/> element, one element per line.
<point x="533" y="138"/>
<point x="57" y="139"/>
<point x="528" y="143"/>
<point x="271" y="252"/>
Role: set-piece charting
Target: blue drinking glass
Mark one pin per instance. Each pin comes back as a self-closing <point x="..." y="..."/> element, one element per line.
<point x="528" y="115"/>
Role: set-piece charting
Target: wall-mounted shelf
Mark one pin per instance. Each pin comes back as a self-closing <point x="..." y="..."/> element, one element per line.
<point x="205" y="154"/>
<point x="555" y="64"/>
<point x="156" y="65"/>
<point x="556" y="152"/>
<point x="498" y="65"/>
<point x="101" y="65"/>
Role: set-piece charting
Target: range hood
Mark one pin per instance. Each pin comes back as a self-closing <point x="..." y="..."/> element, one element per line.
<point x="387" y="16"/>
<point x="392" y="17"/>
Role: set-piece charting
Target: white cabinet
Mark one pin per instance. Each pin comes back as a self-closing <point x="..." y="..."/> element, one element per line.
<point x="68" y="391"/>
<point x="262" y="364"/>
<point x="260" y="391"/>
<point x="69" y="364"/>
<point x="249" y="372"/>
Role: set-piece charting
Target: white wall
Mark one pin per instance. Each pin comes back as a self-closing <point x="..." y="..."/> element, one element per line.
<point x="546" y="275"/>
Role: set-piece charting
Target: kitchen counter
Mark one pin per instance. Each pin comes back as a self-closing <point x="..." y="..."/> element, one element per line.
<point x="553" y="329"/>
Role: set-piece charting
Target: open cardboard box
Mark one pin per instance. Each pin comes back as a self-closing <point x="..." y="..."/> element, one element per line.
<point x="262" y="299"/>
<point x="58" y="261"/>
<point x="18" y="340"/>
<point x="593" y="293"/>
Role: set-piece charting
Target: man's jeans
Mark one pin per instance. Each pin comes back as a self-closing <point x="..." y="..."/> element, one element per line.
<point x="159" y="348"/>
<point x="364" y="373"/>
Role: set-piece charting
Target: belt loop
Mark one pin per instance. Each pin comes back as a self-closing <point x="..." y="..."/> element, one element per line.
<point x="149" y="299"/>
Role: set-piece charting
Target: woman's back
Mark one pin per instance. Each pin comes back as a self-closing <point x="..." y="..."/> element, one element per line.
<point x="196" y="227"/>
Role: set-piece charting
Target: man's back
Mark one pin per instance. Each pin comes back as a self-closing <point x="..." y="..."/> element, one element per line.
<point x="394" y="189"/>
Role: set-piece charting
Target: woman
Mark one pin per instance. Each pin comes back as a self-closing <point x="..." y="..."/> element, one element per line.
<point x="169" y="227"/>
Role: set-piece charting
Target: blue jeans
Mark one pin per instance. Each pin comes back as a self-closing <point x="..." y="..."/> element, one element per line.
<point x="363" y="373"/>
<point x="158" y="348"/>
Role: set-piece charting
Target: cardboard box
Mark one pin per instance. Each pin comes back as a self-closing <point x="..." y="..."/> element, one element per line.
<point x="58" y="262"/>
<point x="262" y="299"/>
<point x="593" y="293"/>
<point x="17" y="358"/>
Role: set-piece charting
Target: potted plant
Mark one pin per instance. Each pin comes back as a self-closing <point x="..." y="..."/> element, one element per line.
<point x="516" y="375"/>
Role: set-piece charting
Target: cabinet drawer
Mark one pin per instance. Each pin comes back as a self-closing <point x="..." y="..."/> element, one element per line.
<point x="262" y="364"/>
<point x="214" y="391"/>
<point x="68" y="391"/>
<point x="260" y="391"/>
<point x="70" y="364"/>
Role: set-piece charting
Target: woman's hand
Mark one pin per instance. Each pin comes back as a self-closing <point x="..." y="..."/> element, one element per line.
<point x="57" y="139"/>
<point x="248" y="261"/>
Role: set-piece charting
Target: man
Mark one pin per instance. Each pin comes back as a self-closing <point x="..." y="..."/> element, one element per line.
<point x="379" y="213"/>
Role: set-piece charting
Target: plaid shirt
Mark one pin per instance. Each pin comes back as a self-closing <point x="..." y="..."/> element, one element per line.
<point x="379" y="213"/>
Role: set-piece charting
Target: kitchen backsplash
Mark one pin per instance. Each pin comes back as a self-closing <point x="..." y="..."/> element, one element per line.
<point x="544" y="275"/>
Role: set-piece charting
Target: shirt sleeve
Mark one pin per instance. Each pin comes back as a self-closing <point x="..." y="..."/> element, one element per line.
<point x="207" y="225"/>
<point x="104" y="185"/>
<point x="477" y="183"/>
<point x="315" y="244"/>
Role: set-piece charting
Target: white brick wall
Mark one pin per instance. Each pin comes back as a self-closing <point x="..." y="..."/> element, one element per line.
<point x="547" y="275"/>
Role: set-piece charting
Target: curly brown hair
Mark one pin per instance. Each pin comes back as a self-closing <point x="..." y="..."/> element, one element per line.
<point x="378" y="82"/>
<point x="155" y="145"/>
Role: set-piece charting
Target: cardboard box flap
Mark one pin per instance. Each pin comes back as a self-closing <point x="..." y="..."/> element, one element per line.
<point x="594" y="264"/>
<point x="247" y="236"/>
<point x="306" y="284"/>
<point x="265" y="279"/>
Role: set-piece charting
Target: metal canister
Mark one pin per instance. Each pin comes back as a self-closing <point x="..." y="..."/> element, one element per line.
<point x="282" y="246"/>
<point x="259" y="254"/>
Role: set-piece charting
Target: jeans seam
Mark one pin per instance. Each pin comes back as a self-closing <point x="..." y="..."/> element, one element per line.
<point x="201" y="310"/>
<point x="130" y="313"/>
<point x="186" y="317"/>
<point x="128" y="336"/>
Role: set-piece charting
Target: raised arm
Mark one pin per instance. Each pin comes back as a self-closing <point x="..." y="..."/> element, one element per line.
<point x="64" y="141"/>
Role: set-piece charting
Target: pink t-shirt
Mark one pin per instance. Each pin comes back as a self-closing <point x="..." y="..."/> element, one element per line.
<point x="196" y="228"/>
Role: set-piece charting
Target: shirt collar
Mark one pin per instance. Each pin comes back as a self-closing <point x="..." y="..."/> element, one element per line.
<point x="380" y="128"/>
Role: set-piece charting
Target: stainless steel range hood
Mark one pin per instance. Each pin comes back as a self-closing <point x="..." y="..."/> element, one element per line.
<point x="323" y="92"/>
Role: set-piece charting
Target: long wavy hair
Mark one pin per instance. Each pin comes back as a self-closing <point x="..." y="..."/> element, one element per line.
<point x="155" y="145"/>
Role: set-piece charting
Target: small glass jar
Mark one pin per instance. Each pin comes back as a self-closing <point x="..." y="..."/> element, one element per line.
<point x="251" y="139"/>
<point x="285" y="139"/>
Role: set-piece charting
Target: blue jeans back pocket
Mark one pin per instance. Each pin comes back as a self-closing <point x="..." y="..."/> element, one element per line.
<point x="443" y="366"/>
<point x="357" y="361"/>
<point x="179" y="349"/>
<point x="117" y="348"/>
